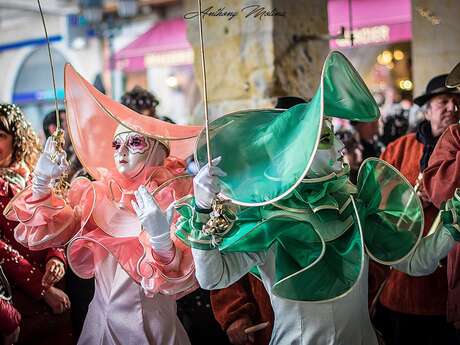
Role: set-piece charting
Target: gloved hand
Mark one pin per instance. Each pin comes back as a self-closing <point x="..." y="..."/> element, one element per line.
<point x="206" y="184"/>
<point x="450" y="215"/>
<point x="154" y="222"/>
<point x="237" y="335"/>
<point x="47" y="170"/>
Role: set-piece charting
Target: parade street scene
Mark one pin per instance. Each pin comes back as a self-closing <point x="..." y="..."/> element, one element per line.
<point x="229" y="172"/>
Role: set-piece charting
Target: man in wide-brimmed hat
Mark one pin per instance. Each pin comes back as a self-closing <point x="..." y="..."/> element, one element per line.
<point x="415" y="306"/>
<point x="440" y="180"/>
<point x="440" y="102"/>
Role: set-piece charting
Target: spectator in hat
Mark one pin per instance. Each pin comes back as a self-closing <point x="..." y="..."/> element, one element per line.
<point x="453" y="79"/>
<point x="440" y="179"/>
<point x="413" y="309"/>
<point x="353" y="151"/>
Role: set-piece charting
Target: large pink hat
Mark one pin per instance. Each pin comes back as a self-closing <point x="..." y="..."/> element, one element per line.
<point x="92" y="118"/>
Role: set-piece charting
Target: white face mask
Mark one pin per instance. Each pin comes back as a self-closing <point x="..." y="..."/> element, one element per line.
<point x="131" y="152"/>
<point x="329" y="157"/>
<point x="328" y="161"/>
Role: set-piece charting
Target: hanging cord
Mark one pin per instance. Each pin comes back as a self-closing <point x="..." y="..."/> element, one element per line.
<point x="60" y="186"/>
<point x="219" y="223"/>
<point x="53" y="78"/>
<point x="205" y="91"/>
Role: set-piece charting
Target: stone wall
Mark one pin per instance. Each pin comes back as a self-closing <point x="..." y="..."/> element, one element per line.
<point x="250" y="59"/>
<point x="298" y="66"/>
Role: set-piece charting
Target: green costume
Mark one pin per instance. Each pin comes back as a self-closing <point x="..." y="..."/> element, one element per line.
<point x="321" y="227"/>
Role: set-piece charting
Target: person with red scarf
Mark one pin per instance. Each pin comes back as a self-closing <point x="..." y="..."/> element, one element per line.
<point x="412" y="309"/>
<point x="440" y="180"/>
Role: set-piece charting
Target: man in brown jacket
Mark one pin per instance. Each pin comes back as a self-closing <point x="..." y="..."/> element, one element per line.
<point x="440" y="180"/>
<point x="240" y="306"/>
<point x="412" y="309"/>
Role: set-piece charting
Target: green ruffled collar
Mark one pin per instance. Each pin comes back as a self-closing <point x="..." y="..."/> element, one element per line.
<point x="327" y="192"/>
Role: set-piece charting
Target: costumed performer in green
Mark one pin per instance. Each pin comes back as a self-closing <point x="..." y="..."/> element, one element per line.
<point x="286" y="211"/>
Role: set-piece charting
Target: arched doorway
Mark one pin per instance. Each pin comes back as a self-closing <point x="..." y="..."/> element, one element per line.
<point x="33" y="87"/>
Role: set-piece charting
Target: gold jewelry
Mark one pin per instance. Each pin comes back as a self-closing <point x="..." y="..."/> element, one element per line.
<point x="61" y="186"/>
<point x="220" y="222"/>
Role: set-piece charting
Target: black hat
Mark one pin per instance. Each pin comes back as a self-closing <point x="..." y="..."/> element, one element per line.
<point x="436" y="86"/>
<point x="288" y="102"/>
<point x="453" y="79"/>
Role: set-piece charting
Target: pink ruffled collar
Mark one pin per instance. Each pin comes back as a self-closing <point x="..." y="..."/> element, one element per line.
<point x="113" y="212"/>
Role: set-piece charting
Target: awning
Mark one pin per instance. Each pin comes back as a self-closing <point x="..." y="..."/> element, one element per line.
<point x="164" y="44"/>
<point x="374" y="21"/>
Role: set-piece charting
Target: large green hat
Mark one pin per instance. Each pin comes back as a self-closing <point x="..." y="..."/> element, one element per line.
<point x="267" y="152"/>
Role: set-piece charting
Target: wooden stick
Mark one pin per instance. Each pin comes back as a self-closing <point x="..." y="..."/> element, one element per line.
<point x="205" y="92"/>
<point x="256" y="328"/>
<point x="437" y="224"/>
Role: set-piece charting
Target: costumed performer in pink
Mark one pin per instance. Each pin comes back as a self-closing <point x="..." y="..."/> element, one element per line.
<point x="118" y="227"/>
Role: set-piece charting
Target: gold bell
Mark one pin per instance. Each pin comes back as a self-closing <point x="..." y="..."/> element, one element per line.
<point x="219" y="222"/>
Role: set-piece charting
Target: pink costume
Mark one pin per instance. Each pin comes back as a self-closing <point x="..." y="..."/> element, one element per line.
<point x="136" y="286"/>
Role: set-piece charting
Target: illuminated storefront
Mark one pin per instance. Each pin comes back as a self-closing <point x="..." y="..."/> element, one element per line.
<point x="161" y="60"/>
<point x="381" y="50"/>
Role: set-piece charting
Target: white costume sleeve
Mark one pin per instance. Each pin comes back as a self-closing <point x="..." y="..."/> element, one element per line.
<point x="425" y="259"/>
<point x="215" y="270"/>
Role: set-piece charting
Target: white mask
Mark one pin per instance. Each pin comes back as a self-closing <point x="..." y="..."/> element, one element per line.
<point x="329" y="157"/>
<point x="327" y="161"/>
<point x="133" y="152"/>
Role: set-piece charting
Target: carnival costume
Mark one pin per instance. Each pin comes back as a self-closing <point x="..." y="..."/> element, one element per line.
<point x="296" y="218"/>
<point x="114" y="229"/>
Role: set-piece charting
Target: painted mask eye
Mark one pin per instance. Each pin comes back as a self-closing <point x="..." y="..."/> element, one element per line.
<point x="137" y="143"/>
<point x="116" y="144"/>
<point x="326" y="140"/>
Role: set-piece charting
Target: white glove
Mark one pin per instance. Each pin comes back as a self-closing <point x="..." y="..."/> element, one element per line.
<point x="46" y="170"/>
<point x="154" y="221"/>
<point x="206" y="184"/>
